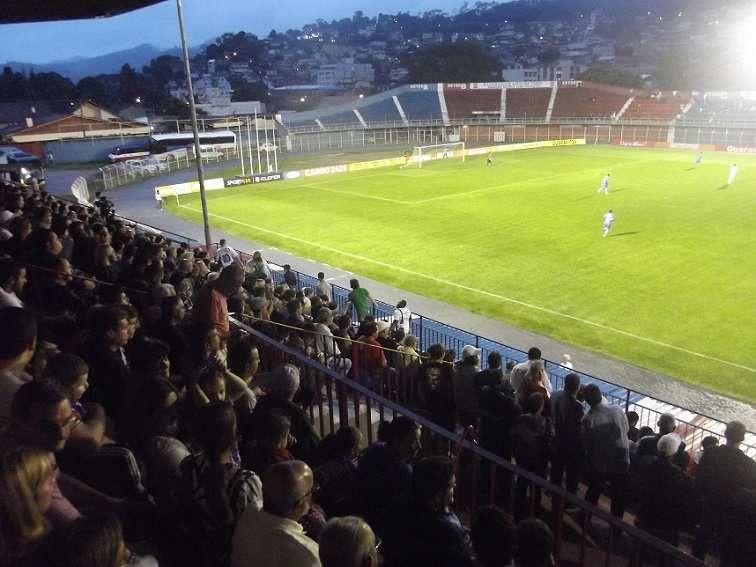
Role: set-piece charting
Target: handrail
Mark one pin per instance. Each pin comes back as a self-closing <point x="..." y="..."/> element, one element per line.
<point x="480" y="452"/>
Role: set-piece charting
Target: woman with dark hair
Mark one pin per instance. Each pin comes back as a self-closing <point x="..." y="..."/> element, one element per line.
<point x="214" y="491"/>
<point x="170" y="327"/>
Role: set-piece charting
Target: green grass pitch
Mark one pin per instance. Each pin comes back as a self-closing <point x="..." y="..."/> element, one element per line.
<point x="672" y="289"/>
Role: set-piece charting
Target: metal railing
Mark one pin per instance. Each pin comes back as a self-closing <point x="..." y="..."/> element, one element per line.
<point x="590" y="537"/>
<point x="693" y="426"/>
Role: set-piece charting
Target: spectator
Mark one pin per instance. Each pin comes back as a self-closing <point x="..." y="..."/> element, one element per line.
<point x="348" y="542"/>
<point x="493" y="538"/>
<point x="368" y="360"/>
<point x="12" y="283"/>
<point x="429" y="533"/>
<point x="465" y="397"/>
<point x="492" y="377"/>
<point x="409" y="355"/>
<point x="436" y="390"/>
<point x="384" y="473"/>
<point x="706" y="443"/>
<point x="666" y="493"/>
<point x="212" y="301"/>
<point x="533" y="434"/>
<point x="567" y="413"/>
<point x="280" y="397"/>
<point x="215" y="491"/>
<point x="226" y="255"/>
<point x="290" y="277"/>
<point x="272" y="536"/>
<point x="18" y="343"/>
<point x="633" y="433"/>
<point x="402" y="317"/>
<point x="272" y="437"/>
<point x="27" y="481"/>
<point x="604" y="435"/>
<point x="108" y="365"/>
<point x="647" y="446"/>
<point x="536" y="381"/>
<point x="520" y="370"/>
<point x="326" y="345"/>
<point x="337" y="470"/>
<point x="257" y="268"/>
<point x="567" y="361"/>
<point x="534" y="544"/>
<point x="360" y="299"/>
<point x="59" y="296"/>
<point x="724" y="473"/>
<point x="323" y="287"/>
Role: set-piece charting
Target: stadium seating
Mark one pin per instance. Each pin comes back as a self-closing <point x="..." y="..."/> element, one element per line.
<point x="587" y="102"/>
<point x="420" y="104"/>
<point x="381" y="111"/>
<point x="347" y="117"/>
<point x="664" y="107"/>
<point x="472" y="103"/>
<point x="527" y="103"/>
<point x="712" y="108"/>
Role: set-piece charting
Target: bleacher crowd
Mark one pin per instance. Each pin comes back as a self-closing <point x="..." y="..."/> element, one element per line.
<point x="140" y="425"/>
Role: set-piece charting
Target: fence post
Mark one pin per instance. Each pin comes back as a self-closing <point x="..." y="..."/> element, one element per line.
<point x="422" y="339"/>
<point x="627" y="401"/>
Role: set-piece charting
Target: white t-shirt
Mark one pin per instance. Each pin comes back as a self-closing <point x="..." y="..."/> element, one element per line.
<point x="9" y="299"/>
<point x="605" y="182"/>
<point x="324" y="289"/>
<point x="402" y="316"/>
<point x="227" y="255"/>
<point x="608" y="219"/>
<point x="733" y="170"/>
<point x="261" y="538"/>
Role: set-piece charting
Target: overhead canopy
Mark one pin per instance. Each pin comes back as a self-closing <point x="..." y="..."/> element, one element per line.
<point x="24" y="11"/>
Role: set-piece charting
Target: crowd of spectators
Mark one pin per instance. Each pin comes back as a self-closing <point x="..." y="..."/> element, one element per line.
<point x="138" y="425"/>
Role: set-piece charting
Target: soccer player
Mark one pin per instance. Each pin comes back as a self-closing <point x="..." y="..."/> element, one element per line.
<point x="733" y="173"/>
<point x="608" y="221"/>
<point x="604" y="187"/>
<point x="489" y="159"/>
<point x="446" y="153"/>
<point x="407" y="158"/>
<point x="699" y="159"/>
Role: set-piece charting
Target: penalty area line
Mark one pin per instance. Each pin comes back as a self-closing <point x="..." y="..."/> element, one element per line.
<point x="479" y="291"/>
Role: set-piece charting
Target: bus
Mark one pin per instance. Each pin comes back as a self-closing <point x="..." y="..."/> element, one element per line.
<point x="162" y="143"/>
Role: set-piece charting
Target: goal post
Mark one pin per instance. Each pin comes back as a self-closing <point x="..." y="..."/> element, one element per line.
<point x="449" y="150"/>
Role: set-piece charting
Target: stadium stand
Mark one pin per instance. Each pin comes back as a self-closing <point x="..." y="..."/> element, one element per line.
<point x="420" y="104"/>
<point x="118" y="355"/>
<point x="588" y="101"/>
<point x="381" y="111"/>
<point x="662" y="106"/>
<point x="473" y="103"/>
<point x="527" y="103"/>
<point x="348" y="117"/>
<point x="717" y="108"/>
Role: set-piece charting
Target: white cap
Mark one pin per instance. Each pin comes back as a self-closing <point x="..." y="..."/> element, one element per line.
<point x="668" y="444"/>
<point x="470" y="350"/>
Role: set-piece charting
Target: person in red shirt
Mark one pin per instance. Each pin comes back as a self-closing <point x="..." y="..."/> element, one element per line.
<point x="212" y="301"/>
<point x="368" y="360"/>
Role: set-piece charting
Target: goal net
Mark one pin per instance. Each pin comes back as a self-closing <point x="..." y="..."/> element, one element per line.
<point x="449" y="150"/>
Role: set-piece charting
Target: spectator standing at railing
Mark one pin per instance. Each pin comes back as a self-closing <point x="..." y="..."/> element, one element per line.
<point x="724" y="472"/>
<point x="647" y="446"/>
<point x="326" y="345"/>
<point x="226" y="254"/>
<point x="12" y="282"/>
<point x="533" y="434"/>
<point x="604" y="436"/>
<point x="323" y="286"/>
<point x="290" y="277"/>
<point x="257" y="267"/>
<point x="567" y="413"/>
<point x="360" y="299"/>
<point x="436" y="390"/>
<point x="520" y="371"/>
<point x="368" y="360"/>
<point x="465" y="396"/>
<point x="402" y="317"/>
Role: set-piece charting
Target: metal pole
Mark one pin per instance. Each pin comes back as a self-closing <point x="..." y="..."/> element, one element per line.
<point x="249" y="148"/>
<point x="241" y="146"/>
<point x="257" y="141"/>
<point x="275" y="148"/>
<point x="193" y="112"/>
<point x="267" y="147"/>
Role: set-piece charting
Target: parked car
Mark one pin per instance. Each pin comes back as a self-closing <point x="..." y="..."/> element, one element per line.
<point x="21" y="167"/>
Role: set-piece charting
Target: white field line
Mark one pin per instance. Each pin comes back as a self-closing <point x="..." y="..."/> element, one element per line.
<point x="480" y="292"/>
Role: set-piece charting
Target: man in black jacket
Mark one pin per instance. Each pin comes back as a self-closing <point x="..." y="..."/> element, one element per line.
<point x="567" y="413"/>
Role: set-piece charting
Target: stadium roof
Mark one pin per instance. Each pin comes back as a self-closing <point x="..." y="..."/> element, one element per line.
<point x="47" y="10"/>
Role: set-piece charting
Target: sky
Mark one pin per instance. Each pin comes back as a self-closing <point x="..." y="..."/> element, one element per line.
<point x="158" y="25"/>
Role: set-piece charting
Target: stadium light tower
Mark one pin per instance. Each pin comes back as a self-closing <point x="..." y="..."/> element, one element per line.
<point x="744" y="38"/>
<point x="195" y="130"/>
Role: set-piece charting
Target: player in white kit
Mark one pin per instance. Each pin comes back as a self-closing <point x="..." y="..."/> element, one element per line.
<point x="604" y="187"/>
<point x="608" y="221"/>
<point x="733" y="173"/>
<point x="699" y="160"/>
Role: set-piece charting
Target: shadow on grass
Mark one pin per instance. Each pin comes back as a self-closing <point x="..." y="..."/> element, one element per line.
<point x="722" y="187"/>
<point x="624" y="233"/>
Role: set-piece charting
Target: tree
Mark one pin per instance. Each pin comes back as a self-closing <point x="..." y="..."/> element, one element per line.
<point x="611" y="75"/>
<point x="451" y="62"/>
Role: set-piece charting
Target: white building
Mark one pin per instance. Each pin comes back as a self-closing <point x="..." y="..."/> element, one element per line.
<point x="346" y="73"/>
<point x="562" y="70"/>
<point x="207" y="90"/>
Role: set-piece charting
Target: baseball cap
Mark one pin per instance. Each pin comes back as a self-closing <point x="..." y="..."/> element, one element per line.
<point x="382" y="326"/>
<point x="470" y="350"/>
<point x="668" y="444"/>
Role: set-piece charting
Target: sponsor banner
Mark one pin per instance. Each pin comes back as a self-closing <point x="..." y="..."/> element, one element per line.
<point x="361" y="165"/>
<point x="266" y="177"/>
<point x="238" y="180"/>
<point x="186" y="188"/>
<point x="633" y="144"/>
<point x="325" y="170"/>
<point x="292" y="174"/>
<point x="682" y="146"/>
<point x="740" y="150"/>
<point x="507" y="85"/>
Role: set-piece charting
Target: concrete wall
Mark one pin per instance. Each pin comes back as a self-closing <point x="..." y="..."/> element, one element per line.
<point x="87" y="150"/>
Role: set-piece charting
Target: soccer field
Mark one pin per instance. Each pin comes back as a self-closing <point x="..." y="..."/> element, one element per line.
<point x="672" y="289"/>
